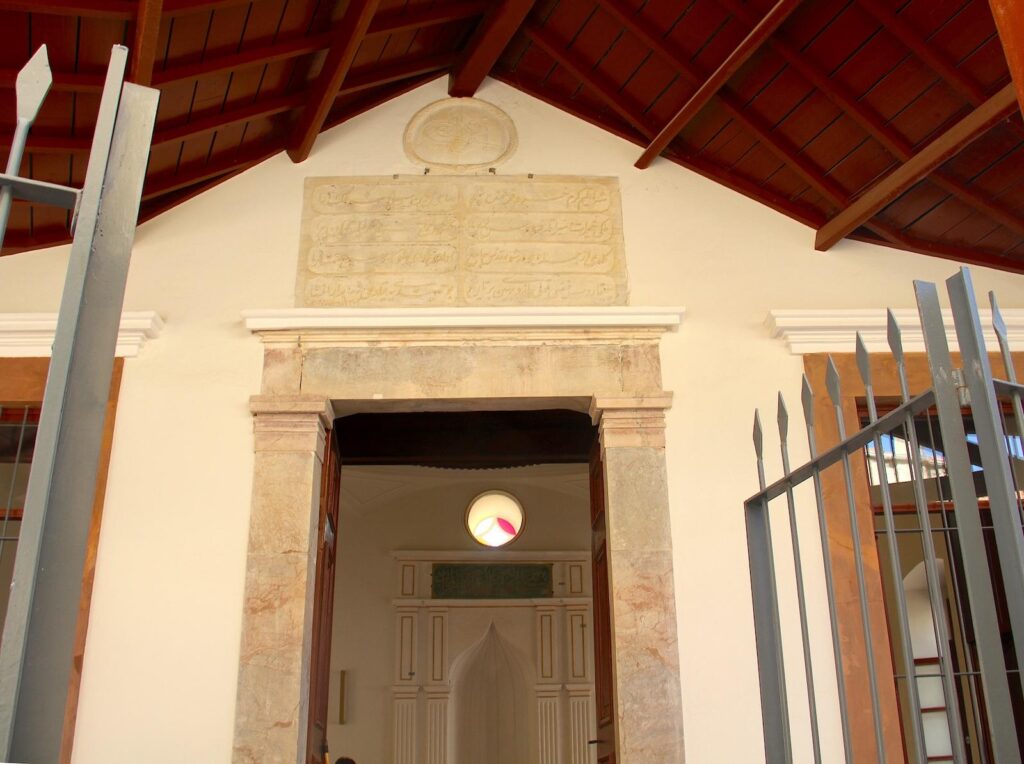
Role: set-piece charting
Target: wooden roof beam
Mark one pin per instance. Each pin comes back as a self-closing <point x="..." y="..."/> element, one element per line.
<point x="348" y="35"/>
<point x="940" y="150"/>
<point x="872" y="122"/>
<point x="489" y="41"/>
<point x="1009" y="17"/>
<point x="753" y="42"/>
<point x="147" y="29"/>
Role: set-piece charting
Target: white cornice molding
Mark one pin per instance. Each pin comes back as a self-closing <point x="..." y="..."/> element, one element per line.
<point x="298" y="319"/>
<point x="332" y="326"/>
<point x="30" y="335"/>
<point x="835" y="331"/>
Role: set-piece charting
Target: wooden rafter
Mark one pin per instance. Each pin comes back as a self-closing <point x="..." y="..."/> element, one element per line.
<point x="881" y="130"/>
<point x="489" y="41"/>
<point x="1009" y="18"/>
<point x="347" y="38"/>
<point x="750" y="44"/>
<point x="147" y="28"/>
<point x="947" y="145"/>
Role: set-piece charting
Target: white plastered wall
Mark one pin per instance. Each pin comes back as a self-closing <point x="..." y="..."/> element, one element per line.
<point x="161" y="660"/>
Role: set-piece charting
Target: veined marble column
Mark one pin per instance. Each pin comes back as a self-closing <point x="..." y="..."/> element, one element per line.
<point x="645" y="653"/>
<point x="273" y="683"/>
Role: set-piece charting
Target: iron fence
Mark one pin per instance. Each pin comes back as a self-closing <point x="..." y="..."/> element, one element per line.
<point x="944" y="470"/>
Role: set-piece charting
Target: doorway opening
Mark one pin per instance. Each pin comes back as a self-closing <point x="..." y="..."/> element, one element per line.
<point x="445" y="648"/>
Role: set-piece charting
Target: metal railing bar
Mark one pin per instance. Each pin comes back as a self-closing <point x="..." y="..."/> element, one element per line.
<point x="958" y="465"/>
<point x="807" y="401"/>
<point x="778" y="742"/>
<point x="955" y="568"/>
<point x="14" y="479"/>
<point x="833" y="384"/>
<point x="805" y="641"/>
<point x="847" y="446"/>
<point x="895" y="569"/>
<point x="992" y="443"/>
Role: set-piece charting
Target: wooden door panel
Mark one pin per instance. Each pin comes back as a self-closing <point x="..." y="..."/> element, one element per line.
<point x="323" y="603"/>
<point x="604" y="691"/>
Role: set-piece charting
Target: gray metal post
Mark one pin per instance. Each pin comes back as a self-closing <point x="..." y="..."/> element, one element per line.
<point x="35" y="657"/>
<point x="968" y="518"/>
<point x="767" y="629"/>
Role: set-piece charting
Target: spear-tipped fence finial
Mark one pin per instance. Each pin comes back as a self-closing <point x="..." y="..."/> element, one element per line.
<point x="832" y="383"/>
<point x="863" y="360"/>
<point x="895" y="335"/>
<point x="807" y="400"/>
<point x="783" y="419"/>
<point x="32" y="85"/>
<point x="759" y="447"/>
<point x="999" y="325"/>
<point x="30" y="88"/>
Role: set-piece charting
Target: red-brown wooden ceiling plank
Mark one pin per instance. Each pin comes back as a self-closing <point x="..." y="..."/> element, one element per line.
<point x="999" y="240"/>
<point x="175" y="103"/>
<point x="729" y="147"/>
<point x="709" y="132"/>
<point x="186" y="37"/>
<point x="928" y="114"/>
<point x="784" y="97"/>
<point x="227" y="140"/>
<point x="95" y="39"/>
<point x="162" y="160"/>
<point x="112" y="9"/>
<point x="426" y="14"/>
<point x="696" y="33"/>
<point x="262" y="108"/>
<point x="969" y="39"/>
<point x="758" y="163"/>
<point x="934" y="223"/>
<point x="209" y="96"/>
<point x="14" y="39"/>
<point x="991" y="162"/>
<point x="970" y="230"/>
<point x="58" y="34"/>
<point x="378" y="75"/>
<point x="899" y="27"/>
<point x="481" y="52"/>
<point x="863" y="166"/>
<point x="227" y="30"/>
<point x="195" y="149"/>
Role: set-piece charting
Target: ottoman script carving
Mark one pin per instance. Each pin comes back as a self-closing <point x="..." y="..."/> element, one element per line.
<point x="456" y="240"/>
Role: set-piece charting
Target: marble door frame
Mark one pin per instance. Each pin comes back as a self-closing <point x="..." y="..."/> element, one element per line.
<point x="312" y="374"/>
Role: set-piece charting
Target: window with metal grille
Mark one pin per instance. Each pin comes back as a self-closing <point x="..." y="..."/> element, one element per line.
<point x="899" y="465"/>
<point x="18" y="426"/>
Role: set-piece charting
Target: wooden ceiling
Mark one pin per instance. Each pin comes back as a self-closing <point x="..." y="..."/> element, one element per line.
<point x="887" y="121"/>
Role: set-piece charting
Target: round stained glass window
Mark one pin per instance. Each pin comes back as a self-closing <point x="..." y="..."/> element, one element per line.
<point x="494" y="518"/>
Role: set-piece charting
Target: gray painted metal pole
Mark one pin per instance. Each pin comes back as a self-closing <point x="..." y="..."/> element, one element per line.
<point x="832" y="383"/>
<point x="1001" y="723"/>
<point x="992" y="443"/>
<point x="895" y="568"/>
<point x="807" y="400"/>
<point x="778" y="744"/>
<point x="36" y="653"/>
<point x="936" y="594"/>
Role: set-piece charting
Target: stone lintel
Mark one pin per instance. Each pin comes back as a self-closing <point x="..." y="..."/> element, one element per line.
<point x="631" y="421"/>
<point x="290" y="422"/>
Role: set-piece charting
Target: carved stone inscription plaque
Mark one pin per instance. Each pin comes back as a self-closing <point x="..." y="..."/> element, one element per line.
<point x="456" y="240"/>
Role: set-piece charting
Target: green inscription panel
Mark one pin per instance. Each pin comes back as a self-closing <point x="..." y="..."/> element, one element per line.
<point x="467" y="581"/>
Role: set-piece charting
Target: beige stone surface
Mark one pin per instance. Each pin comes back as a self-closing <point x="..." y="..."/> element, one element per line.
<point x="419" y="241"/>
<point x="460" y="135"/>
<point x="488" y="371"/>
<point x="270" y="721"/>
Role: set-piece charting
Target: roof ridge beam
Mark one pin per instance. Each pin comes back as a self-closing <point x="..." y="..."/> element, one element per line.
<point x="940" y="150"/>
<point x="492" y="36"/>
<point x="750" y="44"/>
<point x="347" y="38"/>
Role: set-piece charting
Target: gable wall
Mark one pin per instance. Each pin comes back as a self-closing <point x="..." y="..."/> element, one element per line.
<point x="162" y="656"/>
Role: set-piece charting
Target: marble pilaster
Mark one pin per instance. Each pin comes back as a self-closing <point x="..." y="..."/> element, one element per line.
<point x="271" y="716"/>
<point x="645" y="642"/>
